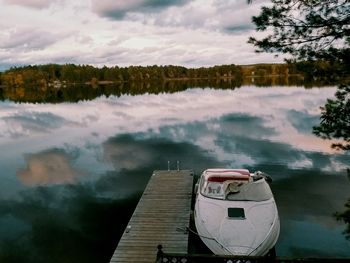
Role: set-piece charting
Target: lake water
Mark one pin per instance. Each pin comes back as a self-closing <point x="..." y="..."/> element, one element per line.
<point x="71" y="173"/>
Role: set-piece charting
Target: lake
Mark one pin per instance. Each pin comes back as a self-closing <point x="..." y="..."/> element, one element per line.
<point x="72" y="172"/>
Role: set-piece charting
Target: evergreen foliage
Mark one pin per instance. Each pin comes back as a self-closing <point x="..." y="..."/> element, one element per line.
<point x="314" y="31"/>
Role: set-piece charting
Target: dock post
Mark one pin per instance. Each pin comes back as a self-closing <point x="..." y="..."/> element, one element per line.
<point x="160" y="254"/>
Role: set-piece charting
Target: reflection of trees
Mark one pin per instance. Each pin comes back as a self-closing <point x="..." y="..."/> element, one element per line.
<point x="61" y="83"/>
<point x="2" y="94"/>
<point x="345" y="215"/>
<point x="80" y="92"/>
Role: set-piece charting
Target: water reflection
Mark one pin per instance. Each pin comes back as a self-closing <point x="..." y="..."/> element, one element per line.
<point x="21" y="125"/>
<point x="85" y="219"/>
<point x="82" y="92"/>
<point x="72" y="172"/>
<point x="135" y="152"/>
<point x="67" y="224"/>
<point x="319" y="195"/>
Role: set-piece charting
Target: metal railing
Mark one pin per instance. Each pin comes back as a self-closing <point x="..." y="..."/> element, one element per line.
<point x="199" y="258"/>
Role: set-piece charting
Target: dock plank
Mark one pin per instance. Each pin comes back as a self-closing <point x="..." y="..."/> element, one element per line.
<point x="161" y="217"/>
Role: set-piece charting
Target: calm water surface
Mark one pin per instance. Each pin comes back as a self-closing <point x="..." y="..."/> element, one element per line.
<point x="71" y="173"/>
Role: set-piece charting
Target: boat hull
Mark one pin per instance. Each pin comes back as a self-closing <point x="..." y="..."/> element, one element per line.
<point x="255" y="234"/>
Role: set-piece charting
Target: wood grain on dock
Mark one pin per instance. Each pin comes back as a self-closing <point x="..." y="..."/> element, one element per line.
<point x="161" y="217"/>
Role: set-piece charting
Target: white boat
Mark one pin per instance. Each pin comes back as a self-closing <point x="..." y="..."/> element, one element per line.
<point x="235" y="212"/>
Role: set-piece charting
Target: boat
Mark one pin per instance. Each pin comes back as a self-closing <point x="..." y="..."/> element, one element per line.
<point x="235" y="212"/>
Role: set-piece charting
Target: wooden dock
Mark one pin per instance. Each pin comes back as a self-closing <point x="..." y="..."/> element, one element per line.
<point x="161" y="217"/>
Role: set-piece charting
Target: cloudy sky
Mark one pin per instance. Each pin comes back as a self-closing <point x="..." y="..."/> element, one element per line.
<point x="191" y="33"/>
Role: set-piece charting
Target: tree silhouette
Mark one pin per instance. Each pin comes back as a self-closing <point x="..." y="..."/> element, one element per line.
<point x="305" y="29"/>
<point x="313" y="30"/>
<point x="335" y="119"/>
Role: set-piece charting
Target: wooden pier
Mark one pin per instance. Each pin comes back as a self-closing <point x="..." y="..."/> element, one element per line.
<point x="161" y="217"/>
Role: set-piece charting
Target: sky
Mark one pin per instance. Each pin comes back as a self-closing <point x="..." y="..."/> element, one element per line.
<point x="191" y="33"/>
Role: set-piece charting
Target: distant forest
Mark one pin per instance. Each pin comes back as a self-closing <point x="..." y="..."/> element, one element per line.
<point x="69" y="82"/>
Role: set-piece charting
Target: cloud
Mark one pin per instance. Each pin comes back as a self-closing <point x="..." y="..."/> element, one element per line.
<point x="117" y="9"/>
<point x="39" y="4"/>
<point x="49" y="167"/>
<point x="27" y="39"/>
<point x="231" y="18"/>
<point x="238" y="28"/>
<point x="192" y="33"/>
<point x="223" y="16"/>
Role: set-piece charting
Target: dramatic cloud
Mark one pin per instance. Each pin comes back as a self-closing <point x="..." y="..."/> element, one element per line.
<point x="118" y="8"/>
<point x="225" y="16"/>
<point x="143" y="32"/>
<point x="49" y="167"/>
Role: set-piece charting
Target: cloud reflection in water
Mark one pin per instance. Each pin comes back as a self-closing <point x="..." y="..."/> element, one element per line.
<point x="128" y="137"/>
<point x="49" y="167"/>
<point x="87" y="218"/>
<point x="29" y="123"/>
<point x="133" y="152"/>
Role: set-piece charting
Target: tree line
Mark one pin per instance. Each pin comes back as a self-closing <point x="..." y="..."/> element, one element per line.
<point x="54" y="75"/>
<point x="49" y="75"/>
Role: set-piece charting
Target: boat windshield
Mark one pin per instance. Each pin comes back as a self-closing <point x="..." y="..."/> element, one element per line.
<point x="253" y="191"/>
<point x="239" y="189"/>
